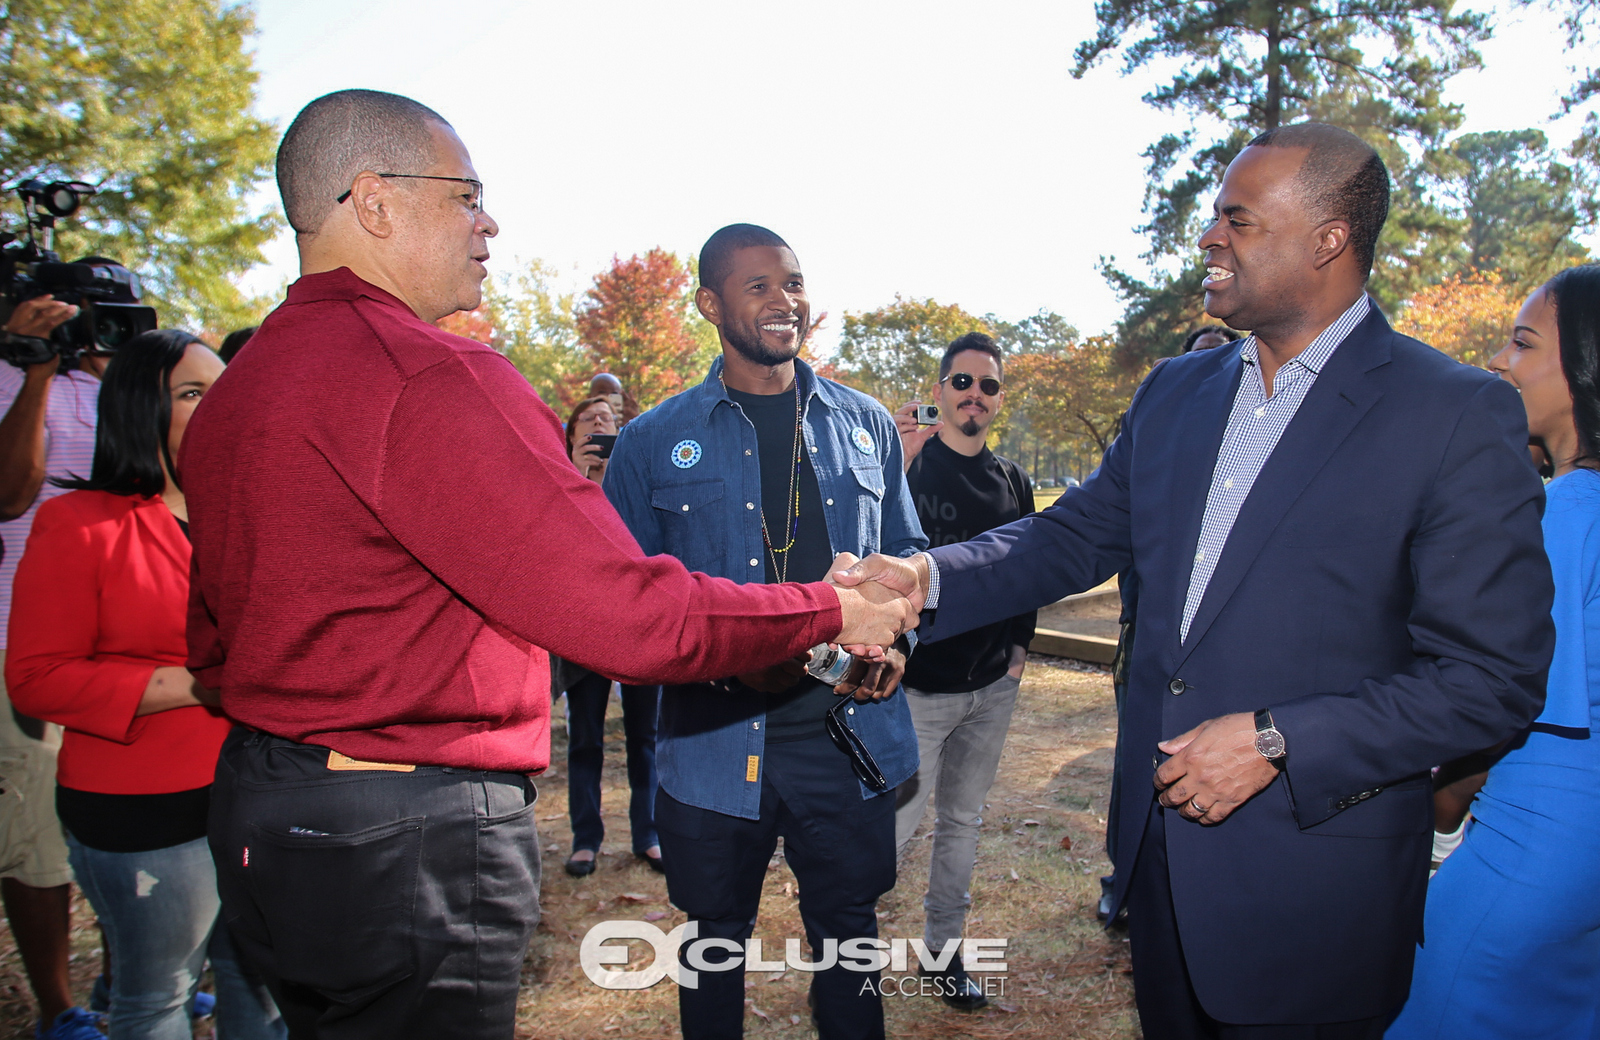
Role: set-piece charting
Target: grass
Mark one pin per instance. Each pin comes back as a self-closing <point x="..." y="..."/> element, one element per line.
<point x="1040" y="857"/>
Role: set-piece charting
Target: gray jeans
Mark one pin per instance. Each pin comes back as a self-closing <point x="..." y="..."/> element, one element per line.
<point x="959" y="736"/>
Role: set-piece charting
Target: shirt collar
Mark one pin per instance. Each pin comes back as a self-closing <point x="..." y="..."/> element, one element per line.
<point x="714" y="392"/>
<point x="341" y="284"/>
<point x="1321" y="349"/>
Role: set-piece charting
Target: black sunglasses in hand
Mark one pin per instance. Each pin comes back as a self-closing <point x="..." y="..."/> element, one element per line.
<point x="845" y="739"/>
<point x="963" y="381"/>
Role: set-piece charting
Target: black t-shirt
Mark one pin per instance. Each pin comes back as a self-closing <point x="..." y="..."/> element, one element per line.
<point x="133" y="822"/>
<point x="796" y="713"/>
<point x="958" y="497"/>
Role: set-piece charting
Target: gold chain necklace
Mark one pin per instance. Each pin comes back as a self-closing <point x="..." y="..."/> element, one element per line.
<point x="780" y="557"/>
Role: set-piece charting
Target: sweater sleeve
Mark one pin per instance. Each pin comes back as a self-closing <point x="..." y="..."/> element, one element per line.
<point x="53" y="669"/>
<point x="475" y="483"/>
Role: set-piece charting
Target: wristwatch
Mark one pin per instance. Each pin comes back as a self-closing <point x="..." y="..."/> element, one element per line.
<point x="1270" y="742"/>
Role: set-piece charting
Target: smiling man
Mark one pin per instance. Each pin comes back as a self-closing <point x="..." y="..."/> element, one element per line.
<point x="388" y="538"/>
<point x="762" y="473"/>
<point x="1335" y="534"/>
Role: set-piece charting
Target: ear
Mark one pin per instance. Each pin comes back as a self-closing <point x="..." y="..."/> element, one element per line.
<point x="709" y="305"/>
<point x="372" y="201"/>
<point x="1333" y="241"/>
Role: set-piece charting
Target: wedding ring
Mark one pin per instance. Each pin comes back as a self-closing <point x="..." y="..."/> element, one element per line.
<point x="1196" y="807"/>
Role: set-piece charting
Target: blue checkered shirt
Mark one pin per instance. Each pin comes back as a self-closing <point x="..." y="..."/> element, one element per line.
<point x="1254" y="427"/>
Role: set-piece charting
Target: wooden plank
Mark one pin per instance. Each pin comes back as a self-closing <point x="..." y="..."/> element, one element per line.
<point x="1069" y="644"/>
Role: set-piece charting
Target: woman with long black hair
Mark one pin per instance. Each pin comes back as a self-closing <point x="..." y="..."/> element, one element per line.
<point x="1512" y="928"/>
<point x="97" y="645"/>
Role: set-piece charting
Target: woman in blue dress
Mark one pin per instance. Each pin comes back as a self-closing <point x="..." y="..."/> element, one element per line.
<point x="1512" y="929"/>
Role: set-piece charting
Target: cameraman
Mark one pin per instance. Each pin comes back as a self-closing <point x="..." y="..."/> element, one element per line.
<point x="48" y="430"/>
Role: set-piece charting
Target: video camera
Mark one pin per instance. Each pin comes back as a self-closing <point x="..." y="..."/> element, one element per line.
<point x="106" y="293"/>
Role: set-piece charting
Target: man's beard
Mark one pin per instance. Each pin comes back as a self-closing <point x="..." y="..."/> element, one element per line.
<point x="970" y="428"/>
<point x="747" y="341"/>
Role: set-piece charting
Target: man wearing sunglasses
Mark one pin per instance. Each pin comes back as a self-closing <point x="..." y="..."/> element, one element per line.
<point x="961" y="690"/>
<point x="762" y="473"/>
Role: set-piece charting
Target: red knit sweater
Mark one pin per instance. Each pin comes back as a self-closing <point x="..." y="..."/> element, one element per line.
<point x="99" y="604"/>
<point x="388" y="536"/>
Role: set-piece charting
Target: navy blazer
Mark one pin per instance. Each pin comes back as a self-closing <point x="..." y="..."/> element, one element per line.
<point x="1384" y="591"/>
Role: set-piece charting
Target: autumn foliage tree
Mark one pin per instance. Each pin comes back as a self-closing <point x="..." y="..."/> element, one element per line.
<point x="1466" y="316"/>
<point x="893" y="352"/>
<point x="634" y="322"/>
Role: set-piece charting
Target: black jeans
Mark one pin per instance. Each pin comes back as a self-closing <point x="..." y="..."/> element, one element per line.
<point x="1168" y="1007"/>
<point x="841" y="848"/>
<point x="376" y="903"/>
<point x="586" y="733"/>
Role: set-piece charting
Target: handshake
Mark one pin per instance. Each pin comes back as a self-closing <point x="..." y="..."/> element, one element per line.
<point x="880" y="598"/>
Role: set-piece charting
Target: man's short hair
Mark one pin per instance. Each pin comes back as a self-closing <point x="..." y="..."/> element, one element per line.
<point x="1227" y="334"/>
<point x="340" y="134"/>
<point x="716" y="256"/>
<point x="1342" y="177"/>
<point x="979" y="341"/>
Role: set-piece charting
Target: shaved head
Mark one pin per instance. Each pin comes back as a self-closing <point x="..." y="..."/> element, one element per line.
<point x="341" y="134"/>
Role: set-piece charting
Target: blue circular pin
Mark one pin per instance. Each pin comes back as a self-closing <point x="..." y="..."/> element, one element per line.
<point x="862" y="440"/>
<point x="686" y="454"/>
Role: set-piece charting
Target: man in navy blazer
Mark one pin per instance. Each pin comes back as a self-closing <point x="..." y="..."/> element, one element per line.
<point x="1335" y="530"/>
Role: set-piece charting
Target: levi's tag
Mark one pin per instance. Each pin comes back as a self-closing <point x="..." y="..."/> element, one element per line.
<point x="344" y="764"/>
<point x="752" y="769"/>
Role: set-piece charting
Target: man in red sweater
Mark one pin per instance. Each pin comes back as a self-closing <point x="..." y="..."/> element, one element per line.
<point x="388" y="538"/>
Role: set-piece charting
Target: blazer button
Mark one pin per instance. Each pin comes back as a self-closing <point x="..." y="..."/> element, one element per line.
<point x="1176" y="686"/>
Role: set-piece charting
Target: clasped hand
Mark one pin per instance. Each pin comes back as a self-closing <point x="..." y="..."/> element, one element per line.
<point x="875" y="612"/>
<point x="1214" y="769"/>
<point x="874" y="618"/>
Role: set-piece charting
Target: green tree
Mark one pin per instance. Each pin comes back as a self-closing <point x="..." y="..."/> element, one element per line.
<point x="534" y="327"/>
<point x="1520" y="205"/>
<point x="893" y="352"/>
<point x="1377" y="67"/>
<point x="149" y="99"/>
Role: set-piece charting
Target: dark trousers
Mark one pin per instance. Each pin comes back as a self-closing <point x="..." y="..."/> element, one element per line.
<point x="586" y="732"/>
<point x="1168" y="1008"/>
<point x="841" y="849"/>
<point x="376" y="904"/>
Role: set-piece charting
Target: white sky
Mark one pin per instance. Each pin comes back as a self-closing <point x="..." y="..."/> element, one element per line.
<point x="932" y="148"/>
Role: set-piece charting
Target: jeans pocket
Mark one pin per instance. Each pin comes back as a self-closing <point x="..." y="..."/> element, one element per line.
<point x="339" y="907"/>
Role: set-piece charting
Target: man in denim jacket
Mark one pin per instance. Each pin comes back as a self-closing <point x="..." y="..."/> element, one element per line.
<point x="764" y="472"/>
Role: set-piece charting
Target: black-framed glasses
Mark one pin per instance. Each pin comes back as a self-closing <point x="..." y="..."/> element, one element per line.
<point x="963" y="381"/>
<point x="845" y="739"/>
<point x="475" y="200"/>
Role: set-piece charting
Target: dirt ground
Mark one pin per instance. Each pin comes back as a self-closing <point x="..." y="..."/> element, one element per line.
<point x="1040" y="858"/>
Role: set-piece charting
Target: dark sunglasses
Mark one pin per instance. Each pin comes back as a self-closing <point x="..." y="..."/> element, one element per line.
<point x="845" y="739"/>
<point x="963" y="381"/>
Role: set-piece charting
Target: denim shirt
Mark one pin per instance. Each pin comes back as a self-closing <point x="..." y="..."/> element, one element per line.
<point x="686" y="478"/>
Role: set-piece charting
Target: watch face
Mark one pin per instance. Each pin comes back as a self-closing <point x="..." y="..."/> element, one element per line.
<point x="1270" y="744"/>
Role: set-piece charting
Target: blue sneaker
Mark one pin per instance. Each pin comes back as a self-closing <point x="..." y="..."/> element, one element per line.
<point x="204" y="1005"/>
<point x="72" y="1024"/>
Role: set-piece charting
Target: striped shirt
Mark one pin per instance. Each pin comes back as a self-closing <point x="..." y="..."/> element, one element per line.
<point x="69" y="423"/>
<point x="1254" y="428"/>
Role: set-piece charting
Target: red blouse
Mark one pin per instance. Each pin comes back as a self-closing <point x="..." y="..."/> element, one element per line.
<point x="100" y="601"/>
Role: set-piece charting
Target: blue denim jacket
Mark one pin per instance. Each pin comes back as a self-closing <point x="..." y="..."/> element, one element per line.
<point x="684" y="476"/>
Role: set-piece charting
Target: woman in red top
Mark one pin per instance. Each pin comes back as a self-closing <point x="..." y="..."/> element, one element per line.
<point x="97" y="644"/>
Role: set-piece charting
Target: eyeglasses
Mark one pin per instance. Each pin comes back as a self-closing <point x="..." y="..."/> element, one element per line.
<point x="845" y="739"/>
<point x="963" y="380"/>
<point x="474" y="201"/>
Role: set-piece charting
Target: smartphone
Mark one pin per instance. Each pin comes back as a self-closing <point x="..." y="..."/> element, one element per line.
<point x="607" y="441"/>
<point x="927" y="414"/>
